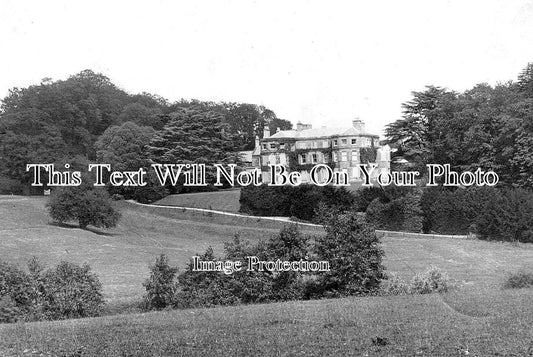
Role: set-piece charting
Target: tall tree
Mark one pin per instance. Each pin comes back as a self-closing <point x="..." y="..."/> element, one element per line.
<point x="414" y="136"/>
<point x="194" y="136"/>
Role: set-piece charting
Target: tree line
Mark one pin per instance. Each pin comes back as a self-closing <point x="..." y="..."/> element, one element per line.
<point x="87" y="118"/>
<point x="486" y="126"/>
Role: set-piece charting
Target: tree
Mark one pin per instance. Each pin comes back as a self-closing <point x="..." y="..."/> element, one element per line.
<point x="415" y="135"/>
<point x="353" y="250"/>
<point x="85" y="204"/>
<point x="142" y="115"/>
<point x="71" y="291"/>
<point x="161" y="285"/>
<point x="46" y="122"/>
<point x="249" y="120"/>
<point x="123" y="147"/>
<point x="194" y="136"/>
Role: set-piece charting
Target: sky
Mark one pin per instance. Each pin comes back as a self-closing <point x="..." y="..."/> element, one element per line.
<point x="318" y="62"/>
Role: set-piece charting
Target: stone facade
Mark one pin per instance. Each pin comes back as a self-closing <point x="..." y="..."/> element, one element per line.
<point x="340" y="148"/>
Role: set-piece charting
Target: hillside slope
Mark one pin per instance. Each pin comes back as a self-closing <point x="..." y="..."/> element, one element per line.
<point x="121" y="256"/>
<point x="496" y="323"/>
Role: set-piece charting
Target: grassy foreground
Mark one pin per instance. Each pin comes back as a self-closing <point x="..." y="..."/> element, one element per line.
<point x="480" y="319"/>
<point x="119" y="256"/>
<point x="476" y="324"/>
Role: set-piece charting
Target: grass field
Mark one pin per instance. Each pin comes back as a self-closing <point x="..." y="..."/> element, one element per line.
<point x="120" y="256"/>
<point x="476" y="324"/>
<point x="227" y="200"/>
<point x="480" y="319"/>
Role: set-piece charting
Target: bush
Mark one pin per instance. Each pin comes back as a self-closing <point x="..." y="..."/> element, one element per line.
<point x="507" y="216"/>
<point x="353" y="250"/>
<point x="160" y="286"/>
<point x="394" y="285"/>
<point x="351" y="247"/>
<point x="17" y="285"/>
<point x="493" y="214"/>
<point x="519" y="280"/>
<point x="300" y="201"/>
<point x="402" y="213"/>
<point x="243" y="287"/>
<point x="454" y="211"/>
<point x="71" y="291"/>
<point x="67" y="291"/>
<point x="84" y="204"/>
<point x="9" y="312"/>
<point x="432" y="280"/>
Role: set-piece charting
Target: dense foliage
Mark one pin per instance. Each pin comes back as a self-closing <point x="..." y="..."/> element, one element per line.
<point x="402" y="213"/>
<point x="85" y="204"/>
<point x="354" y="252"/>
<point x="300" y="201"/>
<point x="58" y="120"/>
<point x="492" y="214"/>
<point x="351" y="247"/>
<point x="488" y="127"/>
<point x="66" y="291"/>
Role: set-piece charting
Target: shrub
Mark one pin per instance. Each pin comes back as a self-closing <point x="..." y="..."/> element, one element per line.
<point x="300" y="202"/>
<point x="351" y="247"/>
<point x="17" y="285"/>
<point x="9" y="312"/>
<point x="160" y="286"/>
<point x="519" y="280"/>
<point x="493" y="214"/>
<point x="66" y="291"/>
<point x="353" y="250"/>
<point x="394" y="285"/>
<point x="402" y="213"/>
<point x="432" y="280"/>
<point x="84" y="204"/>
<point x="508" y="216"/>
<point x="71" y="291"/>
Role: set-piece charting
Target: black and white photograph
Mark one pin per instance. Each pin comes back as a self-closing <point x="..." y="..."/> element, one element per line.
<point x="266" y="178"/>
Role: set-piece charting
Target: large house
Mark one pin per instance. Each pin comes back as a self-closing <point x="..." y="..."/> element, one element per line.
<point x="342" y="149"/>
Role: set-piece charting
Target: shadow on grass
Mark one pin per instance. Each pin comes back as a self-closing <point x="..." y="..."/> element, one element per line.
<point x="89" y="229"/>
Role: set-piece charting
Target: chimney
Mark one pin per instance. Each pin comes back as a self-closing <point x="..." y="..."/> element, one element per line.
<point x="358" y="124"/>
<point x="266" y="132"/>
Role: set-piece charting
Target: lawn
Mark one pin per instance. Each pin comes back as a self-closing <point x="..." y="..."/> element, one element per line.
<point x="120" y="256"/>
<point x="495" y="323"/>
<point x="479" y="318"/>
<point x="226" y="200"/>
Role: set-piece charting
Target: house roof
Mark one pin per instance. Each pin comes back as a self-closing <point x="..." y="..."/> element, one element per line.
<point x="319" y="132"/>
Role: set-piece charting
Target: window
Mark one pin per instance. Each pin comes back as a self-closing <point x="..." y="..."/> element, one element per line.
<point x="344" y="141"/>
<point x="272" y="145"/>
<point x="334" y="156"/>
<point x="355" y="157"/>
<point x="314" y="145"/>
<point x="282" y="146"/>
<point x="314" y="158"/>
<point x="302" y="159"/>
<point x="277" y="159"/>
<point x="335" y="142"/>
<point x="344" y="156"/>
<point x="264" y="146"/>
<point x="354" y="141"/>
<point x="325" y="144"/>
